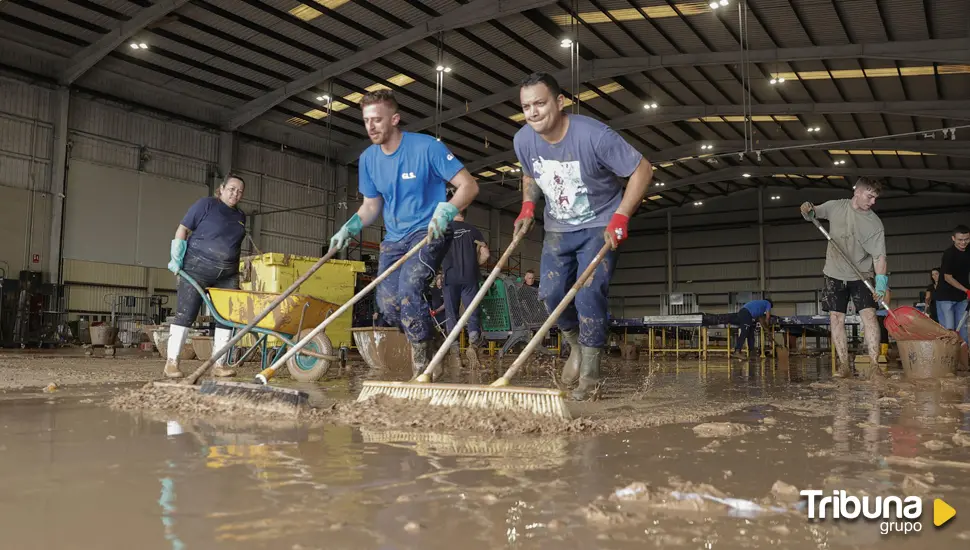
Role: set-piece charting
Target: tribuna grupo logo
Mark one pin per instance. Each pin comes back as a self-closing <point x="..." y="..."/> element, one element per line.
<point x="895" y="514"/>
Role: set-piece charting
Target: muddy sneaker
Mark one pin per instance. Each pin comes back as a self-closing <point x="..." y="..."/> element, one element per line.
<point x="844" y="371"/>
<point x="172" y="369"/>
<point x="222" y="371"/>
<point x="454" y="358"/>
<point x="589" y="373"/>
<point x="471" y="352"/>
<point x="570" y="371"/>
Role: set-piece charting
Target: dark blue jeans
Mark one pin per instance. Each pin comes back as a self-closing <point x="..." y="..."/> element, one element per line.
<point x="746" y="331"/>
<point x="208" y="275"/>
<point x="564" y="257"/>
<point x="400" y="297"/>
<point x="458" y="294"/>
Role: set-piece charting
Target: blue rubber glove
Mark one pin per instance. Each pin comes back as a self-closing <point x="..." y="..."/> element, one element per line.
<point x="177" y="255"/>
<point x="882" y="285"/>
<point x="443" y="215"/>
<point x="350" y="229"/>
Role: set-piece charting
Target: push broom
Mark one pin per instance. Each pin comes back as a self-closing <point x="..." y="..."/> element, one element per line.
<point x="267" y="373"/>
<point x="499" y="395"/>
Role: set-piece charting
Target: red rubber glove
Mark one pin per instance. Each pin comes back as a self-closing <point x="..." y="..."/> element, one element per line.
<point x="617" y="231"/>
<point x="526" y="217"/>
<point x="968" y="294"/>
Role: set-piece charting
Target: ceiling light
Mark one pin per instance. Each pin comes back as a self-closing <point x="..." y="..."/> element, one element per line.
<point x="323" y="97"/>
<point x="566" y="42"/>
<point x="659" y="184"/>
<point x="839" y="162"/>
<point x="698" y="203"/>
<point x="646" y="105"/>
<point x="774" y="81"/>
<point x="706" y="147"/>
<point x="747" y="175"/>
<point x="714" y="5"/>
<point x="440" y="68"/>
<point x="653" y="105"/>
<point x="781" y="79"/>
<point x="723" y="2"/>
<point x="134" y="46"/>
<point x="447" y="69"/>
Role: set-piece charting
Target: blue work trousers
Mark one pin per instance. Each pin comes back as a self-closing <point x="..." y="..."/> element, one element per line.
<point x="456" y="295"/>
<point x="564" y="257"/>
<point x="400" y="297"/>
<point x="950" y="314"/>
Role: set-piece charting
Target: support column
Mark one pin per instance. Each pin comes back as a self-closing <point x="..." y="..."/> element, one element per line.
<point x="227" y="155"/>
<point x="495" y="229"/>
<point x="761" y="239"/>
<point x="341" y="212"/>
<point x="58" y="182"/>
<point x="670" y="252"/>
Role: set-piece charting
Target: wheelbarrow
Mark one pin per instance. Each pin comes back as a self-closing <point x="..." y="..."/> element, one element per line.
<point x="236" y="308"/>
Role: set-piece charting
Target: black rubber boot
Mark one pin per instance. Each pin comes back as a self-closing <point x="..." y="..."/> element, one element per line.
<point x="589" y="373"/>
<point x="570" y="371"/>
<point x="420" y="360"/>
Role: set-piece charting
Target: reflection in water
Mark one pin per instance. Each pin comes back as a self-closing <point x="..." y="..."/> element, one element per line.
<point x="269" y="484"/>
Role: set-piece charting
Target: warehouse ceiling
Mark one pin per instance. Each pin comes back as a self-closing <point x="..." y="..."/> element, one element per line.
<point x="822" y="91"/>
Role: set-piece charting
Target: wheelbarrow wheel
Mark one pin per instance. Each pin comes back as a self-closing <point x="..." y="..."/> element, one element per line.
<point x="304" y="368"/>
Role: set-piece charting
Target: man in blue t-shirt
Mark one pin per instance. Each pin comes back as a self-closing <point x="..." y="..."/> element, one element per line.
<point x="403" y="176"/>
<point x="751" y="312"/>
<point x="462" y="274"/>
<point x="576" y="163"/>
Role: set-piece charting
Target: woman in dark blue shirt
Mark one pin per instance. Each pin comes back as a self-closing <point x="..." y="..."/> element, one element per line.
<point x="206" y="246"/>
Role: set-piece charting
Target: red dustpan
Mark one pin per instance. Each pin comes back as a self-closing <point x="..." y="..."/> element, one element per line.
<point x="909" y="323"/>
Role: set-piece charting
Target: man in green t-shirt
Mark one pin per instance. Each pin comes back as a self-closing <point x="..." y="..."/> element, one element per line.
<point x="860" y="234"/>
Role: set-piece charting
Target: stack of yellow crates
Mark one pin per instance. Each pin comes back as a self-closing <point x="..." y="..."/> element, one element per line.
<point x="334" y="282"/>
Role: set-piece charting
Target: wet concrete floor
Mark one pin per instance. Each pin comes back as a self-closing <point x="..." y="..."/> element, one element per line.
<point x="76" y="474"/>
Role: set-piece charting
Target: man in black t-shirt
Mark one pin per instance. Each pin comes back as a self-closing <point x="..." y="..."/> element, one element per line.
<point x="954" y="288"/>
<point x="461" y="268"/>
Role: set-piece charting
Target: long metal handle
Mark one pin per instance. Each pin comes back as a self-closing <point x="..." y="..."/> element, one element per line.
<point x="470" y="309"/>
<point x="850" y="263"/>
<point x="216" y="354"/>
<point x="553" y="317"/>
<point x="356" y="298"/>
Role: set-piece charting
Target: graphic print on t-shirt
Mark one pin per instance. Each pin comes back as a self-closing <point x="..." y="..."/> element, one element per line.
<point x="562" y="183"/>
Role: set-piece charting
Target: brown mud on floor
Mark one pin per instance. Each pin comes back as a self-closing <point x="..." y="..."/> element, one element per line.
<point x="118" y="480"/>
<point x="72" y="367"/>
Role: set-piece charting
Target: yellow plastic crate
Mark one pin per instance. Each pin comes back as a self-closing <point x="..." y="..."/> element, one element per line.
<point x="334" y="282"/>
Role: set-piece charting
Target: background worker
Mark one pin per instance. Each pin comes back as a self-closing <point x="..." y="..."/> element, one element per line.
<point x="530" y="279"/>
<point x="929" y="295"/>
<point x="206" y="246"/>
<point x="462" y="274"/>
<point x="575" y="162"/>
<point x="403" y="177"/>
<point x="952" y="292"/>
<point x="860" y="234"/>
<point x="752" y="312"/>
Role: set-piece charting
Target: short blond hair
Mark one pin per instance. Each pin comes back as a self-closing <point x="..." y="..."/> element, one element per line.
<point x="380" y="96"/>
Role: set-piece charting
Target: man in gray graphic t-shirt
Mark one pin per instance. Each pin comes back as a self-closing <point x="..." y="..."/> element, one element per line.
<point x="576" y="163"/>
<point x="858" y="231"/>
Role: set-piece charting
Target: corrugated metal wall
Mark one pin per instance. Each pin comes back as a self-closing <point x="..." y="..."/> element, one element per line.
<point x="26" y="140"/>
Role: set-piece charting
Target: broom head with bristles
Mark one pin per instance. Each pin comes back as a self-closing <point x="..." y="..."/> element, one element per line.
<point x="257" y="395"/>
<point x="543" y="402"/>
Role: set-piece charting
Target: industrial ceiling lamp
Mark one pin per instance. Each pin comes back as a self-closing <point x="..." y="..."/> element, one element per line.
<point x="440" y="70"/>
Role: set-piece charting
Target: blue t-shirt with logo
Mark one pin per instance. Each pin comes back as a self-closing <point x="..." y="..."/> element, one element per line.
<point x="412" y="181"/>
<point x="757" y="308"/>
<point x="460" y="265"/>
<point x="579" y="176"/>
<point x="217" y="232"/>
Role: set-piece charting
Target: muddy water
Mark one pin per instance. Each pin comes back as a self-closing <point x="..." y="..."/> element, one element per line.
<point x="77" y="474"/>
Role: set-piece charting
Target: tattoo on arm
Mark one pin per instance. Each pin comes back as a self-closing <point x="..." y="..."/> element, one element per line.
<point x="531" y="191"/>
